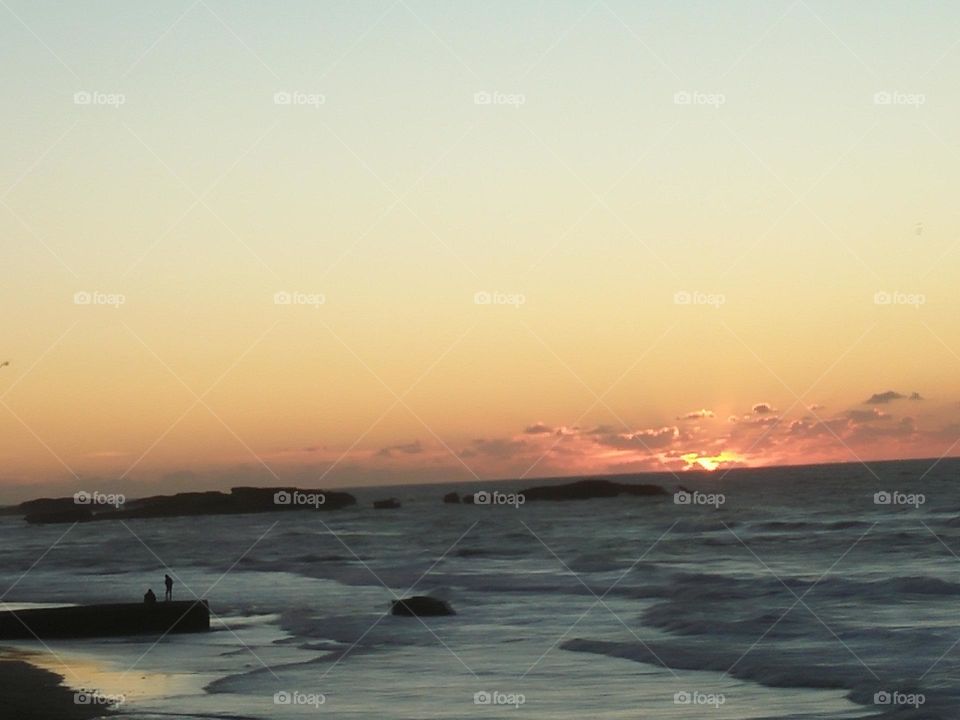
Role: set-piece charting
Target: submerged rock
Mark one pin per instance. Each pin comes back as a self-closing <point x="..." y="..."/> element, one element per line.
<point x="421" y="606"/>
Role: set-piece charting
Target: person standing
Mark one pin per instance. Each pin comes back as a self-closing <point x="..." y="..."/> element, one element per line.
<point x="168" y="581"/>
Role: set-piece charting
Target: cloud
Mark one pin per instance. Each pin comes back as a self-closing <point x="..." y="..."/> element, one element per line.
<point x="884" y="398"/>
<point x="537" y="429"/>
<point x="696" y="415"/>
<point x="414" y="448"/>
<point x="747" y="422"/>
<point x="763" y="409"/>
<point x="905" y="428"/>
<point x="915" y="396"/>
<point x="497" y="447"/>
<point x="650" y="439"/>
<point x="804" y="428"/>
<point x="865" y="416"/>
<point x="602" y="430"/>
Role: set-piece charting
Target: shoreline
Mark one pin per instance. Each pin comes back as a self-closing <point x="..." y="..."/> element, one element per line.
<point x="31" y="692"/>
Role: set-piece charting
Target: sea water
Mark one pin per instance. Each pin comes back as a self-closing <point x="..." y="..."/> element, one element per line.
<point x="818" y="592"/>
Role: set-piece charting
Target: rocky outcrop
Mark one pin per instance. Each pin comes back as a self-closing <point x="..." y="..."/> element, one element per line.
<point x="421" y="606"/>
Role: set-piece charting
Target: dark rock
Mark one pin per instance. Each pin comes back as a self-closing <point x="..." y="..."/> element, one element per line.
<point x="54" y="510"/>
<point x="391" y="504"/>
<point x="587" y="489"/>
<point x="421" y="606"/>
<point x="69" y="515"/>
<point x="451" y="498"/>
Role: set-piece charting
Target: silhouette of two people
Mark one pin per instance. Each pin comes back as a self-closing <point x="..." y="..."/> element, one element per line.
<point x="151" y="599"/>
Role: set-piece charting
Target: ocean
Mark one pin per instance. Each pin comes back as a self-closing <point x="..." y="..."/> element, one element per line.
<point x="806" y="592"/>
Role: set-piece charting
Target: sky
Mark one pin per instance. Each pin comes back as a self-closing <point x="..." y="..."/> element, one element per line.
<point x="347" y="243"/>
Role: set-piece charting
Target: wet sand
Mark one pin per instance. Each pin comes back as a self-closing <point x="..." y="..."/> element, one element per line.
<point x="31" y="693"/>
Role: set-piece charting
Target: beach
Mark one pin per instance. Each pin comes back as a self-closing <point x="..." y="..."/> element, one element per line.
<point x="32" y="693"/>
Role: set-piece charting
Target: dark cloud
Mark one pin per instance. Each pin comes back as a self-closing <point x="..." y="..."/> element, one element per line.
<point x="805" y="428"/>
<point x="915" y="396"/>
<point x="884" y="398"/>
<point x="905" y="428"/>
<point x="414" y="448"/>
<point x="763" y="409"/>
<point x="498" y="447"/>
<point x="537" y="429"/>
<point x="696" y="415"/>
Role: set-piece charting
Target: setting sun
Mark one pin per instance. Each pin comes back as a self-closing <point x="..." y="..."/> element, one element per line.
<point x="711" y="462"/>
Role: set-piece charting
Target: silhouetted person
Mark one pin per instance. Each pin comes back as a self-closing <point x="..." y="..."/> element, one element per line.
<point x="168" y="581"/>
<point x="150" y="598"/>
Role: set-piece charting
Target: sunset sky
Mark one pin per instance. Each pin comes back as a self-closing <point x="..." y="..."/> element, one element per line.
<point x="340" y="243"/>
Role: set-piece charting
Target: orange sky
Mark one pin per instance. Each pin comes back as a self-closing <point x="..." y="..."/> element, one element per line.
<point x="395" y="244"/>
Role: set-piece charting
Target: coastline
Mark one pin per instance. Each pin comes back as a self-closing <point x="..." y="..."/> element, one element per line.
<point x="30" y="692"/>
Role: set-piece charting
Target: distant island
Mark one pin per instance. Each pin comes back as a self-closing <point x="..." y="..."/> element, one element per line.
<point x="238" y="500"/>
<point x="84" y="507"/>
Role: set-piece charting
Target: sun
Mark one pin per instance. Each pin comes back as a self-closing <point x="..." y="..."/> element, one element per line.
<point x="709" y="463"/>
